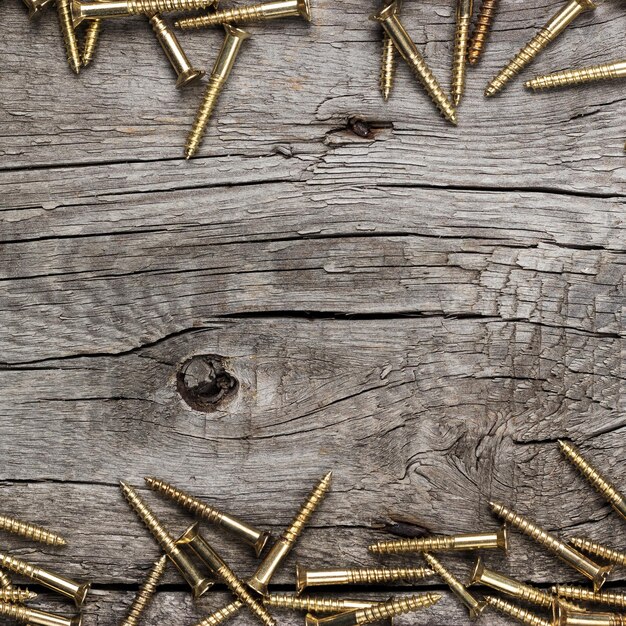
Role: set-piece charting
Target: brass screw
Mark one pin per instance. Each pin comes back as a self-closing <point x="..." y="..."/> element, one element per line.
<point x="16" y="594"/>
<point x="315" y="604"/>
<point x="612" y="598"/>
<point x="36" y="7"/>
<point x="198" y="583"/>
<point x="464" y="11"/>
<point x="593" y="476"/>
<point x="5" y="581"/>
<point x="563" y="616"/>
<point x="60" y="584"/>
<point x="517" y="612"/>
<point x="222" y="615"/>
<point x="220" y="568"/>
<point x="256" y="538"/>
<point x="221" y="70"/>
<point x="388" y="64"/>
<point x="572" y="557"/>
<point x="593" y="73"/>
<point x="388" y="17"/>
<point x="250" y="13"/>
<point x="474" y="606"/>
<point x="90" y="42"/>
<point x="377" y="612"/>
<point x="550" y="31"/>
<point x="166" y="37"/>
<point x="481" y="30"/>
<point x="30" y="531"/>
<point x="472" y="541"/>
<point x="285" y="543"/>
<point x="34" y="617"/>
<point x="64" y="13"/>
<point x="146" y="593"/>
<point x="357" y="576"/>
<point x="95" y="9"/>
<point x="598" y="549"/>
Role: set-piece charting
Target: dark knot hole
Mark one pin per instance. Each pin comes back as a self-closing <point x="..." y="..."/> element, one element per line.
<point x="204" y="383"/>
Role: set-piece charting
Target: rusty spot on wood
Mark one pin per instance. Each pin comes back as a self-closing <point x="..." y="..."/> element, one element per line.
<point x="204" y="383"/>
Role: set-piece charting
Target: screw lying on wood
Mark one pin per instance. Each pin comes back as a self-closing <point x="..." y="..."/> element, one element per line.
<point x="517" y="612"/>
<point x="598" y="549"/>
<point x="566" y="78"/>
<point x="389" y="63"/>
<point x="315" y="604"/>
<point x="146" y="593"/>
<point x="464" y="11"/>
<point x="35" y="617"/>
<point x="36" y="7"/>
<point x="30" y="531"/>
<point x="16" y="594"/>
<point x="90" y="41"/>
<point x="222" y="615"/>
<point x="611" y="598"/>
<point x="64" y="13"/>
<point x="481" y="30"/>
<point x="563" y="616"/>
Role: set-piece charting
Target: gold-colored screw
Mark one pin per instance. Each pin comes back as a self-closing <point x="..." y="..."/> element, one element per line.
<point x="612" y="598"/>
<point x="255" y="537"/>
<point x="376" y="613"/>
<point x="563" y="616"/>
<point x="146" y="593"/>
<point x="550" y="31"/>
<point x="388" y="17"/>
<point x="474" y="606"/>
<point x="60" y="584"/>
<point x="481" y="30"/>
<point x="593" y="476"/>
<point x="64" y="13"/>
<point x="30" y="531"/>
<point x="464" y="11"/>
<point x="220" y="568"/>
<point x="166" y="37"/>
<point x="36" y="7"/>
<point x="389" y="63"/>
<point x="357" y="576"/>
<point x="99" y="9"/>
<point x="569" y="555"/>
<point x="90" y="42"/>
<point x="16" y="594"/>
<point x="198" y="583"/>
<point x="34" y="617"/>
<point x="221" y="71"/>
<point x="470" y="541"/>
<point x="222" y="615"/>
<point x="517" y="612"/>
<point x="315" y="604"/>
<point x="250" y="13"/>
<point x="285" y="543"/>
<point x="597" y="549"/>
<point x="5" y="581"/>
<point x="566" y="78"/>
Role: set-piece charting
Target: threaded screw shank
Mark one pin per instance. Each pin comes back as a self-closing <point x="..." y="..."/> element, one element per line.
<point x="482" y="29"/>
<point x="64" y="13"/>
<point x="30" y="531"/>
<point x="146" y="593"/>
<point x="517" y="612"/>
<point x="600" y="550"/>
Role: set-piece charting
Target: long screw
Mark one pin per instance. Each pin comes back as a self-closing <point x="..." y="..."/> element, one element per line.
<point x="34" y="617"/>
<point x="563" y="616"/>
<point x="30" y="531"/>
<point x="517" y="612"/>
<point x="464" y="11"/>
<point x="388" y="64"/>
<point x="64" y="13"/>
<point x="481" y="30"/>
<point x="146" y="593"/>
<point x="222" y="615"/>
<point x="315" y="604"/>
<point x="597" y="549"/>
<point x="610" y="598"/>
<point x="566" y="78"/>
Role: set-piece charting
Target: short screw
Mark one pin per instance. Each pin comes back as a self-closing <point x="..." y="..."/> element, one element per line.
<point x="222" y="615"/>
<point x="517" y="612"/>
<point x="566" y="78"/>
<point x="390" y="21"/>
<point x="30" y="531"/>
<point x="146" y="593"/>
<point x="250" y="13"/>
<point x="198" y="583"/>
<point x="550" y="31"/>
<point x="90" y="42"/>
<point x="470" y="541"/>
<point x="389" y="64"/>
<point x="357" y="576"/>
<point x="566" y="553"/>
<point x="34" y="617"/>
<point x="220" y="568"/>
<point x="285" y="543"/>
<point x="564" y="616"/>
<point x="474" y="606"/>
<point x="581" y="594"/>
<point x="593" y="476"/>
<point x="36" y="7"/>
<point x="464" y="11"/>
<point x="377" y="612"/>
<point x="597" y="549"/>
<point x="16" y="595"/>
<point x="255" y="537"/>
<point x="481" y="30"/>
<point x="60" y="584"/>
<point x="64" y="13"/>
<point x="315" y="604"/>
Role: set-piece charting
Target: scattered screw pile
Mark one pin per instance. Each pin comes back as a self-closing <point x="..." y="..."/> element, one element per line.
<point x="200" y="565"/>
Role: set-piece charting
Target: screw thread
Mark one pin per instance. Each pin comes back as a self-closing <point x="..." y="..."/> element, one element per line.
<point x="136" y="7"/>
<point x="239" y="589"/>
<point x="582" y="594"/>
<point x="532" y="595"/>
<point x="519" y="61"/>
<point x="222" y="615"/>
<point x="30" y="531"/>
<point x="442" y="572"/>
<point x="423" y="544"/>
<point x="516" y="612"/>
<point x="16" y="594"/>
<point x="64" y="13"/>
<point x="250" y="13"/>
<point x="481" y="30"/>
<point x="372" y="575"/>
<point x="397" y="606"/>
<point x="92" y="34"/>
<point x="387" y="66"/>
<point x="211" y="95"/>
<point x="573" y="77"/>
<point x="307" y="603"/>
<point x="5" y="581"/>
<point x="461" y="39"/>
<point x="595" y="479"/>
<point x="180" y="497"/>
<point x="17" y="566"/>
<point x="165" y="540"/>
<point x="308" y="508"/>
<point x="14" y="611"/>
<point x="146" y="593"/>
<point x="597" y="549"/>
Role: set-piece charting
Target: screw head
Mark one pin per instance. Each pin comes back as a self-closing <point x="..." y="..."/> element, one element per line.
<point x="77" y="18"/>
<point x="81" y="594"/>
<point x="304" y="6"/>
<point x="389" y="11"/>
<point x="188" y="76"/>
<point x="300" y="579"/>
<point x="479" y="568"/>
<point x="233" y="31"/>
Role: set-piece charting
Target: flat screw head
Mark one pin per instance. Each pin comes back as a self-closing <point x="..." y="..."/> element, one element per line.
<point x="305" y="9"/>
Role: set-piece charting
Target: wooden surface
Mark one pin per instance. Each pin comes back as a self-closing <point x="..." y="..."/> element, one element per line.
<point x="423" y="309"/>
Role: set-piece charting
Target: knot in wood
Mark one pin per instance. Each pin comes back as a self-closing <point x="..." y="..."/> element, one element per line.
<point x="204" y="383"/>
